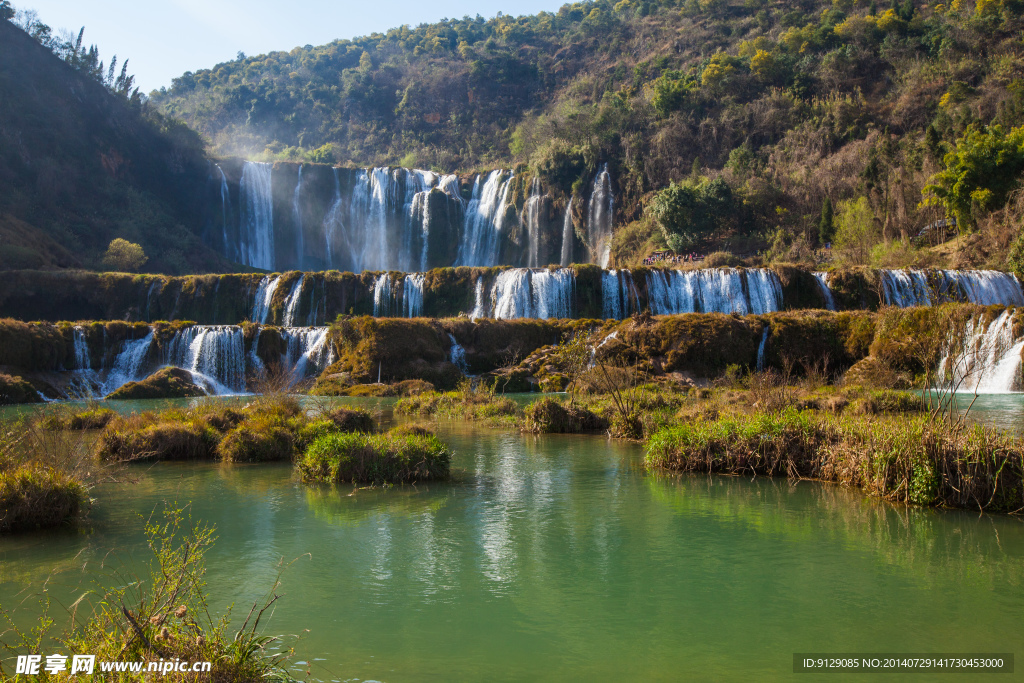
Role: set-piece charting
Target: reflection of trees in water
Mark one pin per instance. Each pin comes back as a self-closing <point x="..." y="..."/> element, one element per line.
<point x="951" y="545"/>
<point x="349" y="505"/>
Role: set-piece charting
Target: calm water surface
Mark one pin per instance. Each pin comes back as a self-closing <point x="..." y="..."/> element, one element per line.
<point x="559" y="558"/>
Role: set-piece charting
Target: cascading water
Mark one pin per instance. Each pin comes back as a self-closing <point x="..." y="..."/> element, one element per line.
<point x="989" y="359"/>
<point x="722" y="290"/>
<point x="524" y="293"/>
<point x="128" y="364"/>
<point x="618" y="294"/>
<point x="532" y="215"/>
<point x="485" y="216"/>
<point x="600" y="213"/>
<point x="214" y="354"/>
<point x="382" y="296"/>
<point x="257" y="248"/>
<point x="81" y="347"/>
<point x="479" y="304"/>
<point x="760" y="349"/>
<point x="419" y="214"/>
<point x="334" y="228"/>
<point x="291" y="304"/>
<point x="308" y="350"/>
<point x="826" y="291"/>
<point x="567" y="236"/>
<point x="412" y="295"/>
<point x="905" y="288"/>
<point x="264" y="297"/>
<point x="225" y="198"/>
<point x="985" y="287"/>
<point x="300" y="247"/>
<point x="457" y="355"/>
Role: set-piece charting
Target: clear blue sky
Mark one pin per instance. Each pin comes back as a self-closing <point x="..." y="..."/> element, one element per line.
<point x="165" y="38"/>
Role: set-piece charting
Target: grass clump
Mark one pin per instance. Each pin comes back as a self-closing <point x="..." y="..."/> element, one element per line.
<point x="351" y="420"/>
<point x="391" y="458"/>
<point x="260" y="439"/>
<point x="548" y="416"/>
<point x="913" y="459"/>
<point x="92" y="417"/>
<point x="38" y="497"/>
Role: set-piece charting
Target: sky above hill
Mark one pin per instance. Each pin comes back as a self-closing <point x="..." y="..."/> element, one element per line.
<point x="164" y="39"/>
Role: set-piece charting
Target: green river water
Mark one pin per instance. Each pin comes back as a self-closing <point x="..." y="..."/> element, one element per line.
<point x="560" y="558"/>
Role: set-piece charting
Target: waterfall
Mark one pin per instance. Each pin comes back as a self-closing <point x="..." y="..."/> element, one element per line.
<point x="905" y="288"/>
<point x="412" y="295"/>
<point x="257" y="216"/>
<point x="457" y="355"/>
<point x="264" y="297"/>
<point x="619" y="297"/>
<point x="225" y="198"/>
<point x="419" y="214"/>
<point x="332" y="223"/>
<point x="600" y="213"/>
<point x="449" y="184"/>
<point x="985" y="287"/>
<point x="567" y="236"/>
<point x="760" y="349"/>
<point x="826" y="291"/>
<point x="485" y="216"/>
<point x="719" y="290"/>
<point x="382" y="296"/>
<point x="214" y="354"/>
<point x="524" y="293"/>
<point x="308" y="350"/>
<point x="81" y="346"/>
<point x="989" y="360"/>
<point x="479" y="305"/>
<point x="533" y="205"/>
<point x="292" y="302"/>
<point x="128" y="364"/>
<point x="300" y="248"/>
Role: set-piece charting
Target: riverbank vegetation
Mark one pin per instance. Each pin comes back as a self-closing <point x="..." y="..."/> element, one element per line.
<point x="397" y="457"/>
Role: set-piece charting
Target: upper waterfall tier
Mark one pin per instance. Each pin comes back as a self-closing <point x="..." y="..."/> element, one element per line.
<point x="286" y="216"/>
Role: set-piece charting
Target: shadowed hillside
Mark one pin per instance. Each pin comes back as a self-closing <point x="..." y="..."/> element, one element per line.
<point x="80" y="165"/>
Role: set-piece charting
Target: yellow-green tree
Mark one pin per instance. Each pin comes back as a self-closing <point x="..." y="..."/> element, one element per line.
<point x="857" y="232"/>
<point x="124" y="256"/>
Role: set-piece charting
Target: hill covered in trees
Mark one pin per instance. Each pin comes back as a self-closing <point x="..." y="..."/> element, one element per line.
<point x="777" y="122"/>
<point x="84" y="160"/>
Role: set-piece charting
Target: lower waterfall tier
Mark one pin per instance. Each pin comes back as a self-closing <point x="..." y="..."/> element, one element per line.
<point x="977" y="347"/>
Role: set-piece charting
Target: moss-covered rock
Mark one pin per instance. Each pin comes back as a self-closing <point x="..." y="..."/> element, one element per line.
<point x="164" y="383"/>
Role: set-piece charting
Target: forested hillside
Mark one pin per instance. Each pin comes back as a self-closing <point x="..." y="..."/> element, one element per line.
<point x="82" y="162"/>
<point x="771" y="117"/>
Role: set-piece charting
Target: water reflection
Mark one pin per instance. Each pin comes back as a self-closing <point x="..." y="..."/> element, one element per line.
<point x="559" y="557"/>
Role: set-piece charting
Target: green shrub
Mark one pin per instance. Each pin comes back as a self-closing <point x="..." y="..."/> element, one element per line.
<point x="375" y="459"/>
